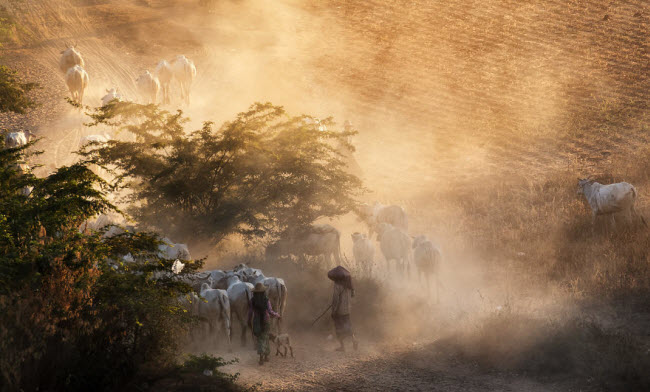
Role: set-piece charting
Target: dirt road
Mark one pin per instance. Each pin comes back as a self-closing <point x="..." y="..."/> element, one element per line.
<point x="413" y="366"/>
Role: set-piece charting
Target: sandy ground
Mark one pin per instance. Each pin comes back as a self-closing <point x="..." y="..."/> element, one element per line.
<point x="405" y="366"/>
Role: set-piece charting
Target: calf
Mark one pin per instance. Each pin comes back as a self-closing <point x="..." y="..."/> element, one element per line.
<point x="281" y="341"/>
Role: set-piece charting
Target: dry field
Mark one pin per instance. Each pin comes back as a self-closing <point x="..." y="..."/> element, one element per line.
<point x="477" y="116"/>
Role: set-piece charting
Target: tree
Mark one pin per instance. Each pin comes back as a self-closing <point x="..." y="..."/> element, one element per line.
<point x="13" y="92"/>
<point x="68" y="319"/>
<point x="262" y="174"/>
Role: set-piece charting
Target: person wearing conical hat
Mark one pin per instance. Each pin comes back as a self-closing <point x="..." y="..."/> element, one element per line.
<point x="259" y="317"/>
<point x="341" y="298"/>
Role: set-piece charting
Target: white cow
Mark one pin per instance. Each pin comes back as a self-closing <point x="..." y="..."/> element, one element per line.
<point x="609" y="199"/>
<point x="276" y="291"/>
<point x="426" y="257"/>
<point x="364" y="252"/>
<point x="100" y="139"/>
<point x="215" y="309"/>
<point x="318" y="240"/>
<point x="184" y="72"/>
<point x="70" y="58"/>
<point x="24" y="168"/>
<point x="77" y="81"/>
<point x="171" y="251"/>
<point x="164" y="74"/>
<point x="377" y="214"/>
<point x="111" y="95"/>
<point x="239" y="295"/>
<point x="18" y="139"/>
<point x="148" y="86"/>
<point x="395" y="244"/>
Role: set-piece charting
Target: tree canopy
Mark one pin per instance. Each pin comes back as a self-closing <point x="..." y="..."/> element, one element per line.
<point x="261" y="174"/>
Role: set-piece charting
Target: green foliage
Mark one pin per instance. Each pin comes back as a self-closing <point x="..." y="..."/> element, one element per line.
<point x="13" y="92"/>
<point x="260" y="174"/>
<point x="71" y="318"/>
<point x="200" y="363"/>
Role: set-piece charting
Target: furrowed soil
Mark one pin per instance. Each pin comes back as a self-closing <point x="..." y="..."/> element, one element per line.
<point x="466" y="112"/>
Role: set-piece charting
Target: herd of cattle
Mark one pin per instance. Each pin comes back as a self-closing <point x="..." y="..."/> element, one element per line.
<point x="149" y="85"/>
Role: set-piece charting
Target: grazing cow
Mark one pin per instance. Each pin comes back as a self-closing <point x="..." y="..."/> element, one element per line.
<point x="184" y="72"/>
<point x="18" y="139"/>
<point x="70" y="58"/>
<point x="164" y="74"/>
<point x="377" y="214"/>
<point x="318" y="240"/>
<point x="239" y="295"/>
<point x="427" y="260"/>
<point x="148" y="87"/>
<point x="111" y="95"/>
<point x="395" y="244"/>
<point x="216" y="311"/>
<point x="77" y="81"/>
<point x="364" y="252"/>
<point x="609" y="199"/>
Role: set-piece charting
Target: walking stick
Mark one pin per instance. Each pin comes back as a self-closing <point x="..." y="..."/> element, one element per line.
<point x="323" y="314"/>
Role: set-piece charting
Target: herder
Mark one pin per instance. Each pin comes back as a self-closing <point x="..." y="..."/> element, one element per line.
<point x="259" y="317"/>
<point x="343" y="291"/>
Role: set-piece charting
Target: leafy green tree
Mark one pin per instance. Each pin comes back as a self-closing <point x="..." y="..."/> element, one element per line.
<point x="14" y="93"/>
<point x="262" y="174"/>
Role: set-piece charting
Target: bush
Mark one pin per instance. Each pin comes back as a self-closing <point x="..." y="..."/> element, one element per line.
<point x="68" y="319"/>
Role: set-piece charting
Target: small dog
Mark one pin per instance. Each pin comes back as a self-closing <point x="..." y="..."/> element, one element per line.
<point x="280" y="341"/>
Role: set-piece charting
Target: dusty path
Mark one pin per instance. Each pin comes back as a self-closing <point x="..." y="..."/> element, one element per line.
<point x="421" y="366"/>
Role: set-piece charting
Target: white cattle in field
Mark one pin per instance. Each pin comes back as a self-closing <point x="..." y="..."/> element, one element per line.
<point x="111" y="95"/>
<point x="609" y="199"/>
<point x="317" y="240"/>
<point x="18" y="139"/>
<point x="148" y="87"/>
<point x="77" y="81"/>
<point x="426" y="258"/>
<point x="395" y="245"/>
<point x="239" y="295"/>
<point x="215" y="310"/>
<point x="364" y="252"/>
<point x="184" y="72"/>
<point x="171" y="251"/>
<point x="377" y="214"/>
<point x="164" y="74"/>
<point x="70" y="58"/>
